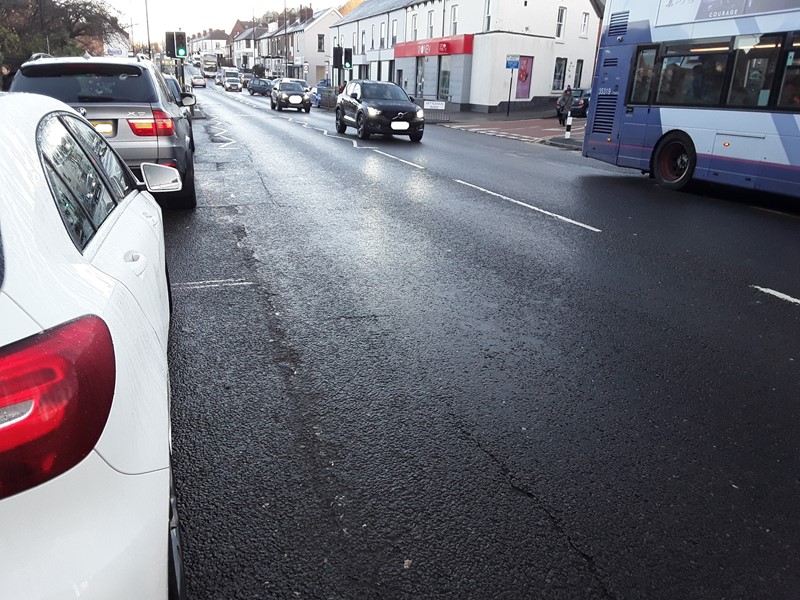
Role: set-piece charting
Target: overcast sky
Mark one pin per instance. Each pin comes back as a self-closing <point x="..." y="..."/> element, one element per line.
<point x="194" y="16"/>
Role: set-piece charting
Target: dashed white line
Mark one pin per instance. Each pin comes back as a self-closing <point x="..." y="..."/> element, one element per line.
<point x="397" y="158"/>
<point x="780" y="295"/>
<point x="539" y="210"/>
<point x="213" y="283"/>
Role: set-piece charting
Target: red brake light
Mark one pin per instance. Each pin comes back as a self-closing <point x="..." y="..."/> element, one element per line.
<point x="160" y="125"/>
<point x="56" y="390"/>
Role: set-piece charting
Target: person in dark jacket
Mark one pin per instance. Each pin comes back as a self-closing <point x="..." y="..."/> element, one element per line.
<point x="7" y="77"/>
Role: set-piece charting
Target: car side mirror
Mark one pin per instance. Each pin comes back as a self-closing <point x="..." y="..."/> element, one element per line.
<point x="411" y="98"/>
<point x="161" y="178"/>
<point x="188" y="99"/>
<point x="354" y="96"/>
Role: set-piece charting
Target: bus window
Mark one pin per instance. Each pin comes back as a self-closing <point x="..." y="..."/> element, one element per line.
<point x="693" y="74"/>
<point x="643" y="76"/>
<point x="756" y="61"/>
<point x="790" y="87"/>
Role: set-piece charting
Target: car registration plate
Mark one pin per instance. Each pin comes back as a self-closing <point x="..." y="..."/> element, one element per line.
<point x="295" y="99"/>
<point x="399" y="125"/>
<point x="104" y="127"/>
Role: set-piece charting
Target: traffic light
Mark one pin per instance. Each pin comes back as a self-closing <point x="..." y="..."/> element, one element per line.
<point x="170" y="47"/>
<point x="348" y="58"/>
<point x="180" y="44"/>
<point x="337" y="57"/>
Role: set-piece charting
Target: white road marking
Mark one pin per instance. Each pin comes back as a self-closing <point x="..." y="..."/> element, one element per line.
<point x="540" y="210"/>
<point x="396" y="158"/>
<point x="213" y="283"/>
<point x="780" y="295"/>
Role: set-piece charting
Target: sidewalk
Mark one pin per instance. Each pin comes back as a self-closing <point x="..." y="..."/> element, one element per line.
<point x="539" y="124"/>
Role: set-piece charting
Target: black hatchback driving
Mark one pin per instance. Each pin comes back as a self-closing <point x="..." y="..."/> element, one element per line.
<point x="379" y="107"/>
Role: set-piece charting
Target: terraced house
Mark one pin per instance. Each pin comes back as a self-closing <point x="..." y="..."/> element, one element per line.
<point x="457" y="51"/>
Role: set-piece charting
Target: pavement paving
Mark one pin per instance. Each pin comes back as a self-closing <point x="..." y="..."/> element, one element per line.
<point x="534" y="126"/>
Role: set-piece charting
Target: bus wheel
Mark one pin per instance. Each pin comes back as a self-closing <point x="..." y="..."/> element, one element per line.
<point x="674" y="161"/>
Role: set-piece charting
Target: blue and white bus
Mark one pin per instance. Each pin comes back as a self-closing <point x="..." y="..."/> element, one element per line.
<point x="700" y="89"/>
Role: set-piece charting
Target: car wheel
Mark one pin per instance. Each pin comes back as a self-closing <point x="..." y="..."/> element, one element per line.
<point x="308" y="109"/>
<point x="272" y="104"/>
<point x="251" y="92"/>
<point x="415" y="137"/>
<point x="361" y="127"/>
<point x="186" y="199"/>
<point x="340" y="125"/>
<point x="176" y="577"/>
<point x="674" y="161"/>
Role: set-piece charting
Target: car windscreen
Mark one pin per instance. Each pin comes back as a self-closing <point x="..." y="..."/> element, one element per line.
<point x="291" y="87"/>
<point x="86" y="82"/>
<point x="374" y="91"/>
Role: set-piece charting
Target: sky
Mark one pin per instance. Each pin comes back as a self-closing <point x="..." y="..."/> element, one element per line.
<point x="193" y="16"/>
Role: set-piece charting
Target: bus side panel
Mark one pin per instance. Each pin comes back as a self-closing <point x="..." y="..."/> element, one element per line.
<point x="780" y="170"/>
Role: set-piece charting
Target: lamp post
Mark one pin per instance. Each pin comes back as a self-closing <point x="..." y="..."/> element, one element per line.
<point x="147" y="20"/>
<point x="285" y="39"/>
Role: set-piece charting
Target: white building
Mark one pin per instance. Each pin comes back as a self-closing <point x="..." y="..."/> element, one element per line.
<point x="211" y="41"/>
<point x="311" y="55"/>
<point x="245" y="47"/>
<point x="457" y="51"/>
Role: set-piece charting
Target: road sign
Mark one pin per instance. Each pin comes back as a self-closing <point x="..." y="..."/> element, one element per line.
<point x="305" y="67"/>
<point x="512" y="61"/>
<point x="433" y="105"/>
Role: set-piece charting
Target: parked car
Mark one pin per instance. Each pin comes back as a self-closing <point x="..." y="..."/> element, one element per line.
<point x="260" y="86"/>
<point x="198" y="81"/>
<point x="87" y="504"/>
<point x="178" y="94"/>
<point x="245" y="79"/>
<point x="232" y="84"/>
<point x="379" y="107"/>
<point x="128" y="101"/>
<point x="580" y="101"/>
<point x="290" y="94"/>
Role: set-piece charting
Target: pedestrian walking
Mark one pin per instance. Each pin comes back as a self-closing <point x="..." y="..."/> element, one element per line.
<point x="563" y="105"/>
<point x="6" y="78"/>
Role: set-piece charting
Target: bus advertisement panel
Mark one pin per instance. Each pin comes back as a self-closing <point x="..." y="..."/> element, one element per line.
<point x="683" y="92"/>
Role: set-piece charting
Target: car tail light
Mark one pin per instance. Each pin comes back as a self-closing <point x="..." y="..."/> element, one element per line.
<point x="160" y="125"/>
<point x="580" y="102"/>
<point x="56" y="390"/>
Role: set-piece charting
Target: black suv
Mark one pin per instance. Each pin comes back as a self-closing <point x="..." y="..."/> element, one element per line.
<point x="379" y="107"/>
<point x="129" y="102"/>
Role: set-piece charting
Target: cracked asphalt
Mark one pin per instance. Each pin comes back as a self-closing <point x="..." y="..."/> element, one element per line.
<point x="475" y="368"/>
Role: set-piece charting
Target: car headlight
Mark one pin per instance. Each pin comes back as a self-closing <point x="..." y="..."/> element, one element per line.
<point x="284" y="96"/>
<point x="373" y="112"/>
<point x="305" y="96"/>
<point x="420" y="113"/>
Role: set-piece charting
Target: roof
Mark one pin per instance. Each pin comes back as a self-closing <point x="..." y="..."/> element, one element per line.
<point x="372" y="8"/>
<point x="252" y="32"/>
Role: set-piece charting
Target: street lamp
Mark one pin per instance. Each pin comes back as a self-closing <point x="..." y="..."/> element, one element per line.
<point x="147" y="20"/>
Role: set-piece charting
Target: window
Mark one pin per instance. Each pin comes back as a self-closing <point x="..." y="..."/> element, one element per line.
<point x="394" y="32"/>
<point x="100" y="152"/>
<point x="585" y="25"/>
<point x="247" y="43"/>
<point x="576" y="83"/>
<point x="430" y="23"/>
<point x="790" y="86"/>
<point x="363" y="42"/>
<point x="454" y="20"/>
<point x="693" y="73"/>
<point x="372" y="43"/>
<point x="80" y="194"/>
<point x="414" y="27"/>
<point x="488" y="17"/>
<point x="383" y="36"/>
<point x="560" y="22"/>
<point x="559" y="74"/>
<point x="444" y="78"/>
<point x="754" y="69"/>
<point x="355" y="42"/>
<point x="321" y="42"/>
<point x="643" y="76"/>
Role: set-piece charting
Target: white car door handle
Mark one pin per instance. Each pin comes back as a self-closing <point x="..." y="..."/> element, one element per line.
<point x="137" y="262"/>
<point x="150" y="217"/>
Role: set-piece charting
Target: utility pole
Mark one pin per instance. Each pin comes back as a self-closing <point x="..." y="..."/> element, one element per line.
<point x="147" y="20"/>
<point x="286" y="39"/>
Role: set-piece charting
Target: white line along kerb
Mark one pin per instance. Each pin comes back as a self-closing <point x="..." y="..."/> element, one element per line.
<point x="539" y="210"/>
<point x="780" y="295"/>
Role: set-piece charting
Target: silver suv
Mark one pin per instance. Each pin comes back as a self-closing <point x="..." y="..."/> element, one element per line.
<point x="128" y="101"/>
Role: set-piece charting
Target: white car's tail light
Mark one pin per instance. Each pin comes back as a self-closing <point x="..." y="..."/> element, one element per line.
<point x="56" y="390"/>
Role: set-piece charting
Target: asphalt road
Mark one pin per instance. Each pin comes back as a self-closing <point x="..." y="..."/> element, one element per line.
<point x="476" y="367"/>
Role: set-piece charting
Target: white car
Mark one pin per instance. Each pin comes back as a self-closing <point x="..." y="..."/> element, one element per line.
<point x="87" y="505"/>
<point x="232" y="84"/>
<point x="198" y="81"/>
